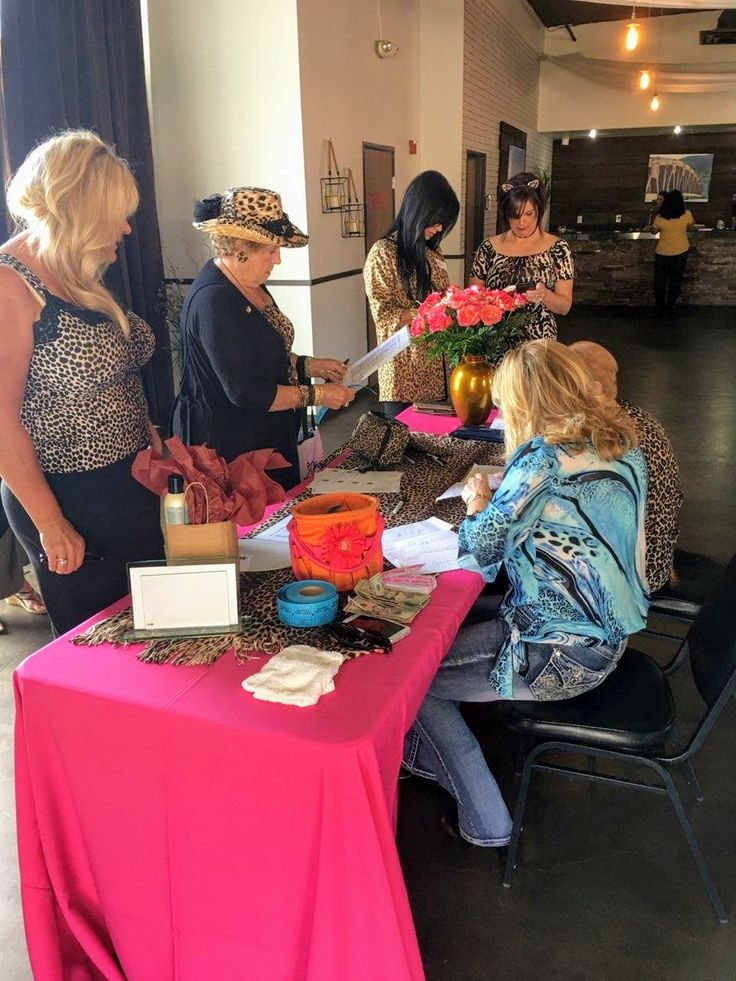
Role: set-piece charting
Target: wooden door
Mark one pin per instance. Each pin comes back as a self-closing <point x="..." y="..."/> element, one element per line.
<point x="475" y="197"/>
<point x="511" y="158"/>
<point x="380" y="203"/>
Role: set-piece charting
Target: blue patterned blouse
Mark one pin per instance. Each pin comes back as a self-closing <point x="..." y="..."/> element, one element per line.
<point x="570" y="531"/>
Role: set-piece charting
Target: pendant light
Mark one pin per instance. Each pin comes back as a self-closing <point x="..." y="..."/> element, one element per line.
<point x="632" y="31"/>
<point x="654" y="104"/>
<point x="645" y="79"/>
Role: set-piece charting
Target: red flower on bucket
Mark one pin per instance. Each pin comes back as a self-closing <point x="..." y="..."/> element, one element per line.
<point x="342" y="546"/>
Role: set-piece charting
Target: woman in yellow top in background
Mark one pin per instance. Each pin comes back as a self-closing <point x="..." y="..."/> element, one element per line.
<point x="673" y="248"/>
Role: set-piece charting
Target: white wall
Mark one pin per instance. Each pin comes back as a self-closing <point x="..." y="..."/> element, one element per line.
<point x="351" y="96"/>
<point x="442" y="41"/>
<point x="503" y="43"/>
<point x="220" y="75"/>
<point x="569" y="102"/>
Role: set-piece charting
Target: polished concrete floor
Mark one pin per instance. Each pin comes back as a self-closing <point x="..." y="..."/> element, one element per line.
<point x="606" y="889"/>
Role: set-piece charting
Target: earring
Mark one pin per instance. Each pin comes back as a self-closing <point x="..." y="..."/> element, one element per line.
<point x="241" y="256"/>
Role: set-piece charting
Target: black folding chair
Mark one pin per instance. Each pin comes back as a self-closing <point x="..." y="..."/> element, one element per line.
<point x="630" y="719"/>
<point x="697" y="576"/>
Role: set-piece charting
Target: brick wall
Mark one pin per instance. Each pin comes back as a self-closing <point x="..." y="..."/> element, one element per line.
<point x="500" y="83"/>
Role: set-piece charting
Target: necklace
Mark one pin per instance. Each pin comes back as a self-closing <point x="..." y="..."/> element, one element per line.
<point x="254" y="293"/>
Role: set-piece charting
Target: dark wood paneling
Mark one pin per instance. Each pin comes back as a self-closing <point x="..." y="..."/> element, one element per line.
<point x="555" y="12"/>
<point x="605" y="177"/>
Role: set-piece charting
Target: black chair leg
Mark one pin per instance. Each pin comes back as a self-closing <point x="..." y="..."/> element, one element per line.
<point x="692" y="841"/>
<point x="690" y="776"/>
<point x="519" y="817"/>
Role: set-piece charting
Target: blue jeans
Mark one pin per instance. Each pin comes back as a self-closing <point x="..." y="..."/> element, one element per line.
<point x="441" y="747"/>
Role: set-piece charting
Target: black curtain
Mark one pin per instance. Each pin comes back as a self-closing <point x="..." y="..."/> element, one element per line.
<point x="79" y="64"/>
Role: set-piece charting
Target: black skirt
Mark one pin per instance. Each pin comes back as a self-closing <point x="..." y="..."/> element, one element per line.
<point x="120" y="522"/>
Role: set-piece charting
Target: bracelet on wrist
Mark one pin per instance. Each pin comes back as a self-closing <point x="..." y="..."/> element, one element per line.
<point x="306" y="396"/>
<point x="319" y="394"/>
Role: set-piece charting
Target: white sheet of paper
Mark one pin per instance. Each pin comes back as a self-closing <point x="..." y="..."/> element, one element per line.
<point x="276" y="533"/>
<point x="457" y="489"/>
<point x="381" y="354"/>
<point x="372" y="482"/>
<point x="261" y="555"/>
<point x="430" y="544"/>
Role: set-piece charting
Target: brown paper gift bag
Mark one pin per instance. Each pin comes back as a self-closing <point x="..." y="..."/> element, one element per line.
<point x="212" y="540"/>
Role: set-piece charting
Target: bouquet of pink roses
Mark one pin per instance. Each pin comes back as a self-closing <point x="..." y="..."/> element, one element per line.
<point x="470" y="321"/>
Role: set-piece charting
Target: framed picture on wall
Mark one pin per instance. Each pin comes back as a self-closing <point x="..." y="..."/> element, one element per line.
<point x="686" y="172"/>
<point x="517" y="160"/>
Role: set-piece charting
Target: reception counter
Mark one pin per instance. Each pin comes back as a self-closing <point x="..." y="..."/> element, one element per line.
<point x="617" y="268"/>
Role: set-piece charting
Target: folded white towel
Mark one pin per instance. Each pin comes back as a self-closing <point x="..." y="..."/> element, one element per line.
<point x="297" y="675"/>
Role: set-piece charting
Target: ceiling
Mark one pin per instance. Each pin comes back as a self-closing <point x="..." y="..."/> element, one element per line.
<point x="553" y="13"/>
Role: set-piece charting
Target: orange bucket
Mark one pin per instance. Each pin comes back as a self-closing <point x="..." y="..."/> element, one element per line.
<point x="336" y="538"/>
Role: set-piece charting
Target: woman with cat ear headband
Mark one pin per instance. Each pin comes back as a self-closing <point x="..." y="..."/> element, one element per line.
<point x="527" y="258"/>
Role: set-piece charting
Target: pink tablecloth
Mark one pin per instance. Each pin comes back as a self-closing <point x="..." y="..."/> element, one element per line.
<point x="172" y="827"/>
<point x="426" y="422"/>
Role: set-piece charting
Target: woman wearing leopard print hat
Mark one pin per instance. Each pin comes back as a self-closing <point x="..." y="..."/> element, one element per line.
<point x="73" y="413"/>
<point x="242" y="387"/>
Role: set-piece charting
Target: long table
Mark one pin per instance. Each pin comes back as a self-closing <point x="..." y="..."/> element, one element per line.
<point x="170" y="826"/>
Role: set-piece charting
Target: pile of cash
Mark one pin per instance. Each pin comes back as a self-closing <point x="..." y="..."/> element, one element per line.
<point x="374" y="598"/>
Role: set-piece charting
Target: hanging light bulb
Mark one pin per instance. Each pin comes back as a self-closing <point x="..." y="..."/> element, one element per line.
<point x="632" y="31"/>
<point x="645" y="79"/>
<point x="654" y="104"/>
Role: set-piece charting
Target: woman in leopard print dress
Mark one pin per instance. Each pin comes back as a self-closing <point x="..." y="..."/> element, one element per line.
<point x="242" y="386"/>
<point x="401" y="270"/>
<point x="528" y="257"/>
<point x="73" y="413"/>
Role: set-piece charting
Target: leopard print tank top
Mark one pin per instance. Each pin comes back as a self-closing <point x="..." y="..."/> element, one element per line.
<point x="84" y="405"/>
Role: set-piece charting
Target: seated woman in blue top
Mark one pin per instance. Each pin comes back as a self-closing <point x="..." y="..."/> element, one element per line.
<point x="242" y="387"/>
<point x="567" y="523"/>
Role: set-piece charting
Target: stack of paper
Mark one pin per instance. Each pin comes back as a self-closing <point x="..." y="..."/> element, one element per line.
<point x="429" y="545"/>
<point x="410" y="579"/>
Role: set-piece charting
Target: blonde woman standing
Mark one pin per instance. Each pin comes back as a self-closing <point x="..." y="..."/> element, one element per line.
<point x="73" y="413"/>
<point x="567" y="522"/>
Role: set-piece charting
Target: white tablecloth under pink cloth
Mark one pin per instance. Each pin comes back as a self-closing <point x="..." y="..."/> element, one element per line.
<point x="172" y="827"/>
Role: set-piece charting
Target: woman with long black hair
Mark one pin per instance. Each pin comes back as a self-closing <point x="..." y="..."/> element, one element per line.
<point x="401" y="270"/>
<point x="673" y="248"/>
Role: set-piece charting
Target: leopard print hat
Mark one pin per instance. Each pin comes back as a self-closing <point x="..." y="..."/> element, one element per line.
<point x="251" y="213"/>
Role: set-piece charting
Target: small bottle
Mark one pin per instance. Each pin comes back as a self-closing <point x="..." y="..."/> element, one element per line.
<point x="176" y="511"/>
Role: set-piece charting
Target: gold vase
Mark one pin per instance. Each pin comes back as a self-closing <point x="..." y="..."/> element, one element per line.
<point x="471" y="389"/>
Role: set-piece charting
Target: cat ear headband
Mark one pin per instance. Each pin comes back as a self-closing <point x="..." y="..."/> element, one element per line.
<point x="534" y="183"/>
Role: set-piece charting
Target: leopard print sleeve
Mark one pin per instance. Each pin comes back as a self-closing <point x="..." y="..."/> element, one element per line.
<point x="564" y="265"/>
<point x="386" y="294"/>
<point x="482" y="261"/>
<point x="664" y="495"/>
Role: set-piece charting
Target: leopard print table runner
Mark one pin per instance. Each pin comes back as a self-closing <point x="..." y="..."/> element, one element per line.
<point x="422" y="482"/>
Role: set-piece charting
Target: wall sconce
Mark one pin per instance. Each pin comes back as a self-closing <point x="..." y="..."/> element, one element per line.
<point x="353" y="215"/>
<point x="334" y="187"/>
